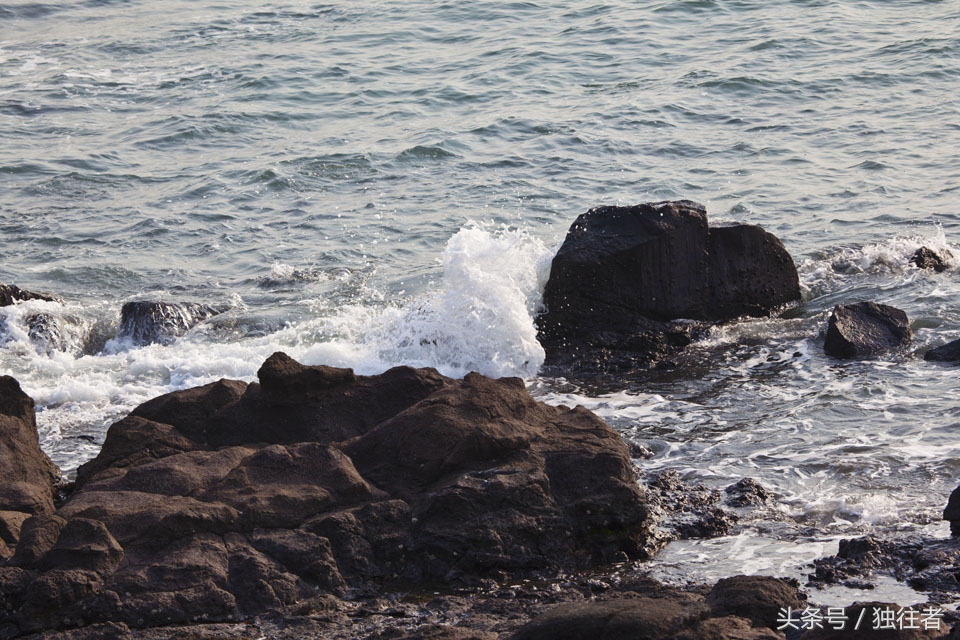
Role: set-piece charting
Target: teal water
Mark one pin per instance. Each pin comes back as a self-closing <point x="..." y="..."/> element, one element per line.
<point x="374" y="183"/>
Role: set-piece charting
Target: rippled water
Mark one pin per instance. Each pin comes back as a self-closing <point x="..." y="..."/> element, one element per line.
<point x="373" y="183"/>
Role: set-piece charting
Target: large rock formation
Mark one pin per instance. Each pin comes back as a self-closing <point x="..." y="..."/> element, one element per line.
<point x="623" y="274"/>
<point x="232" y="499"/>
<point x="29" y="479"/>
<point x="866" y="329"/>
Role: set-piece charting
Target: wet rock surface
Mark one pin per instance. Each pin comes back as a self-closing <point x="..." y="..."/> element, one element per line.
<point x="866" y="329"/>
<point x="625" y="275"/>
<point x="232" y="500"/>
<point x="926" y="258"/>
<point x="147" y="322"/>
<point x="928" y="565"/>
<point x="949" y="352"/>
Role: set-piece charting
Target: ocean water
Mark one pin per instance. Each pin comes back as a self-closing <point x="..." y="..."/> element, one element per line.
<point x="368" y="184"/>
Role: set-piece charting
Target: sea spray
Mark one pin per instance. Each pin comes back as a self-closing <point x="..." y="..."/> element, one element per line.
<point x="479" y="318"/>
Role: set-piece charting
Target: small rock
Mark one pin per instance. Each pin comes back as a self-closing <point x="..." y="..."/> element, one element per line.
<point x="866" y="329"/>
<point x="949" y="352"/>
<point x="925" y="258"/>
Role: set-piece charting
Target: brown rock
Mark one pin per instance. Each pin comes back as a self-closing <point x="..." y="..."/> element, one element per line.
<point x="30" y="479"/>
<point x="757" y="598"/>
<point x="232" y="500"/>
<point x="623" y="619"/>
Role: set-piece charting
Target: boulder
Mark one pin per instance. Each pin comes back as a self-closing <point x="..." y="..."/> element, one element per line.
<point x="31" y="479"/>
<point x="949" y="352"/>
<point x="925" y="258"/>
<point x="231" y="500"/>
<point x="624" y="274"/>
<point x="866" y="329"/>
<point x="146" y="322"/>
<point x="756" y="598"/>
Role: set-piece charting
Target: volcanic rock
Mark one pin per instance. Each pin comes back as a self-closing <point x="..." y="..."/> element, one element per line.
<point x="147" y="322"/>
<point x="235" y="499"/>
<point x="30" y="479"/>
<point x="866" y="329"/>
<point x="624" y="274"/>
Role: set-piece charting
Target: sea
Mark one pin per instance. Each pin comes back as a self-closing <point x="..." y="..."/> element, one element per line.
<point x="374" y="183"/>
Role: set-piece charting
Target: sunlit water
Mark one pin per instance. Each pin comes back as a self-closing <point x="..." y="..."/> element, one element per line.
<point x="367" y="184"/>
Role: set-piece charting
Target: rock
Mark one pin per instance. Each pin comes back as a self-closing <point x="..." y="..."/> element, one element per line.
<point x="687" y="511"/>
<point x="949" y="352"/>
<point x="749" y="273"/>
<point x="624" y="274"/>
<point x="10" y="294"/>
<point x="31" y="479"/>
<point x="147" y="322"/>
<point x="232" y="500"/>
<point x="866" y="329"/>
<point x="746" y="493"/>
<point x="625" y="619"/>
<point x="925" y="258"/>
<point x="757" y="598"/>
<point x="952" y="512"/>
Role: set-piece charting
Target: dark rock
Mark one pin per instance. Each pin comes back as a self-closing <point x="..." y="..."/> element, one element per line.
<point x="10" y="294"/>
<point x="624" y="274"/>
<point x="925" y="258"/>
<point x="31" y="479"/>
<point x="233" y="500"/>
<point x="952" y="512"/>
<point x="146" y="322"/>
<point x="866" y="329"/>
<point x="749" y="272"/>
<point x="746" y="493"/>
<point x="687" y="511"/>
<point x="757" y="598"/>
<point x="949" y="352"/>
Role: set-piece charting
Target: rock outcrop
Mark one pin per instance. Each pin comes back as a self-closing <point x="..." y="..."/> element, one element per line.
<point x="147" y="322"/>
<point x="624" y="275"/>
<point x="866" y="329"/>
<point x="30" y="480"/>
<point x="231" y="500"/>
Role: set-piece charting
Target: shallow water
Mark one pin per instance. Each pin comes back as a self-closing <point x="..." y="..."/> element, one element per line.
<point x="367" y="184"/>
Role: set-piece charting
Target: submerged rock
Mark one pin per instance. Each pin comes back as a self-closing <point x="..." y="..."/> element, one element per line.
<point x="30" y="479"/>
<point x="866" y="329"/>
<point x="928" y="259"/>
<point x="231" y="500"/>
<point x="146" y="322"/>
<point x="624" y="275"/>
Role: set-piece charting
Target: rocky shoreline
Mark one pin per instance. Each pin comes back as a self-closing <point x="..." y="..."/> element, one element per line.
<point x="317" y="503"/>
